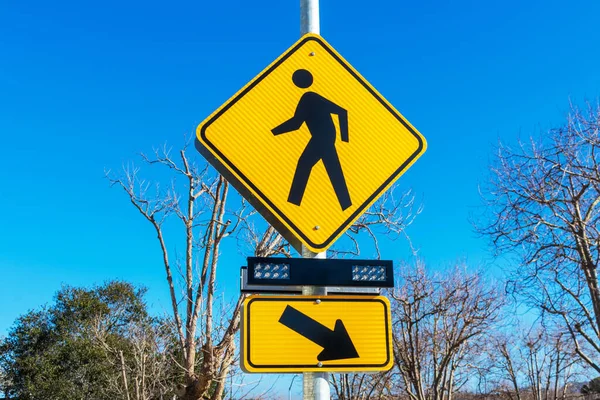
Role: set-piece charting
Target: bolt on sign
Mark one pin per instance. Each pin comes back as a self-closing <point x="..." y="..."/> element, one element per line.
<point x="316" y="333"/>
<point x="310" y="143"/>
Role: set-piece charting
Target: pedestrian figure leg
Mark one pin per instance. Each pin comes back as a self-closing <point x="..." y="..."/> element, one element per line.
<point x="307" y="161"/>
<point x="336" y="176"/>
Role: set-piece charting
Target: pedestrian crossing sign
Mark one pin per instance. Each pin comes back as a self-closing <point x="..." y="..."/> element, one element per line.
<point x="309" y="143"/>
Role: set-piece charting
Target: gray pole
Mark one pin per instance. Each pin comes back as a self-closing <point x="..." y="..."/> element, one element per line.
<point x="309" y="17"/>
<point x="315" y="385"/>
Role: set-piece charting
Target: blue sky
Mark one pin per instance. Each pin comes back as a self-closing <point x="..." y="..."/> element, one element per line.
<point x="85" y="86"/>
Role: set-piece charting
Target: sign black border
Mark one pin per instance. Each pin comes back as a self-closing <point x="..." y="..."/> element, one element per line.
<point x="332" y="367"/>
<point x="264" y="198"/>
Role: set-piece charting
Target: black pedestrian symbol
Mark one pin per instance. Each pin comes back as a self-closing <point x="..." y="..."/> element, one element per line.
<point x="315" y="110"/>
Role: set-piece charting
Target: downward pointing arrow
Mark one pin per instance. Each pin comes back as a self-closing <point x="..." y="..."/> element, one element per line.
<point x="336" y="343"/>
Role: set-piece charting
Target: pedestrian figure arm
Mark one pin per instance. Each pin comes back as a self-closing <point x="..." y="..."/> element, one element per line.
<point x="343" y="116"/>
<point x="290" y="125"/>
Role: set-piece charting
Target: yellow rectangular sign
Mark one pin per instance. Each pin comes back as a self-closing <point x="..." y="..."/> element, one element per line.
<point x="316" y="334"/>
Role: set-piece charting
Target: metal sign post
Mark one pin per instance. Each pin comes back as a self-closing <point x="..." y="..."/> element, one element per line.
<point x="315" y="385"/>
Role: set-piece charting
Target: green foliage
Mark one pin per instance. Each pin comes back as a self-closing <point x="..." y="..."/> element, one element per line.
<point x="592" y="387"/>
<point x="71" y="350"/>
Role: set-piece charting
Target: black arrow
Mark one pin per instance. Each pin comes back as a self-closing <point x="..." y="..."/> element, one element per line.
<point x="336" y="343"/>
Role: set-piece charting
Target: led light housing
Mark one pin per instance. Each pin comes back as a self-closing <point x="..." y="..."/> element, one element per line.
<point x="320" y="272"/>
<point x="272" y="271"/>
<point x="370" y="273"/>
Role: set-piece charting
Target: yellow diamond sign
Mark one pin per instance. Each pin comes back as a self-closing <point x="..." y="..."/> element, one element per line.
<point x="310" y="143"/>
<point x="316" y="333"/>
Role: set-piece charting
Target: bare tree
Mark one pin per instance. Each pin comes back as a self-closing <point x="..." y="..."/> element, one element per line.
<point x="387" y="218"/>
<point x="537" y="364"/>
<point x="438" y="320"/>
<point x="143" y="365"/>
<point x="196" y="198"/>
<point x="543" y="206"/>
<point x="358" y="386"/>
<point x="508" y="367"/>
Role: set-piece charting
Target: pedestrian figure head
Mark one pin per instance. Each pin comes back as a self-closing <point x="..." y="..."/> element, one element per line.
<point x="302" y="78"/>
